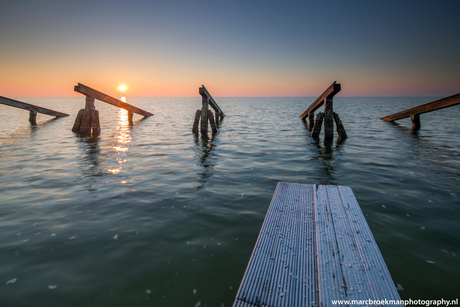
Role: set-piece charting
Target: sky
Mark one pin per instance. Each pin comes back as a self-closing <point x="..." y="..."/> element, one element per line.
<point x="249" y="48"/>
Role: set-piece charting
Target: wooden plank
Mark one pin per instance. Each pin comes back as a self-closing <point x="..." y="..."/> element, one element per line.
<point x="374" y="267"/>
<point x="330" y="92"/>
<point x="85" y="90"/>
<point x="30" y="107"/>
<point x="314" y="247"/>
<point x="281" y="271"/>
<point x="425" y="108"/>
<point x="204" y="93"/>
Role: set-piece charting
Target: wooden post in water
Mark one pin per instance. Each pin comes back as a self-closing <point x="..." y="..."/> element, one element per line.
<point x="33" y="117"/>
<point x="340" y="128"/>
<point x="318" y="124"/>
<point x="328" y="115"/>
<point x="212" y="122"/>
<point x="206" y="114"/>
<point x="311" y="120"/>
<point x="130" y="117"/>
<point x="328" y="119"/>
<point x="197" y="121"/>
<point x="415" y="122"/>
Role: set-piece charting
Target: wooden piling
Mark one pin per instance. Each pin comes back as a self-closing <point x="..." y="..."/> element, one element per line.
<point x="212" y="122"/>
<point x="85" y="128"/>
<point x="32" y="117"/>
<point x="340" y="129"/>
<point x="328" y="119"/>
<point x="311" y="120"/>
<point x="204" y="115"/>
<point x="415" y="122"/>
<point x="77" y="125"/>
<point x="328" y="115"/>
<point x="130" y="117"/>
<point x="95" y="124"/>
<point x="318" y="124"/>
<point x="217" y="118"/>
<point x="196" y="122"/>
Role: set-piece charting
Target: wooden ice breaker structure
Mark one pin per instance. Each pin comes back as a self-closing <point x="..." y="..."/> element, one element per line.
<point x="205" y="114"/>
<point x="414" y="113"/>
<point x="88" y="118"/>
<point x="328" y="116"/>
<point x="33" y="109"/>
<point x="314" y="246"/>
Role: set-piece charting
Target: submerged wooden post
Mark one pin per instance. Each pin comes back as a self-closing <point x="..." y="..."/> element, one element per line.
<point x="197" y="121"/>
<point x="318" y="124"/>
<point x="328" y="119"/>
<point x="204" y="115"/>
<point x="415" y="122"/>
<point x="311" y="120"/>
<point x="212" y="122"/>
<point x="95" y="124"/>
<point x="340" y="128"/>
<point x="77" y="125"/>
<point x="130" y="117"/>
<point x="33" y="117"/>
<point x="326" y="100"/>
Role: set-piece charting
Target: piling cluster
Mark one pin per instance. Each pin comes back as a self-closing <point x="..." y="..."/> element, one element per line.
<point x="328" y="116"/>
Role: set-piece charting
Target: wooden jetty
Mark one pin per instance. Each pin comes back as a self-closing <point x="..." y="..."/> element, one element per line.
<point x="328" y="116"/>
<point x="205" y="114"/>
<point x="414" y="113"/>
<point x="87" y="120"/>
<point x="315" y="246"/>
<point x="33" y="109"/>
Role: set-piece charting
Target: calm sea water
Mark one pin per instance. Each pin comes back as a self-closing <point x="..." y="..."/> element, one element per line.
<point x="151" y="215"/>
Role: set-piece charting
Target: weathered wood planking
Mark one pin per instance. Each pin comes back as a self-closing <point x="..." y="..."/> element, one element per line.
<point x="314" y="247"/>
<point x="85" y="90"/>
<point x="425" y="108"/>
<point x="330" y="92"/>
<point x="30" y="107"/>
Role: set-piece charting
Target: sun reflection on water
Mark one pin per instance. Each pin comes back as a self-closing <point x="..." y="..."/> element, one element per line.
<point x="123" y="139"/>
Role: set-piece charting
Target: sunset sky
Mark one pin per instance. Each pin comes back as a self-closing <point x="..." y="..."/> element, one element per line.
<point x="235" y="48"/>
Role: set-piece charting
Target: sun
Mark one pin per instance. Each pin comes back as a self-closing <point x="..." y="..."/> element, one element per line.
<point x="122" y="87"/>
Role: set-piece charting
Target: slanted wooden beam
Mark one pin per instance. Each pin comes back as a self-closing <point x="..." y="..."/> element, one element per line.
<point x="204" y="93"/>
<point x="30" y="107"/>
<point x="85" y="90"/>
<point x="328" y="93"/>
<point x="425" y="108"/>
